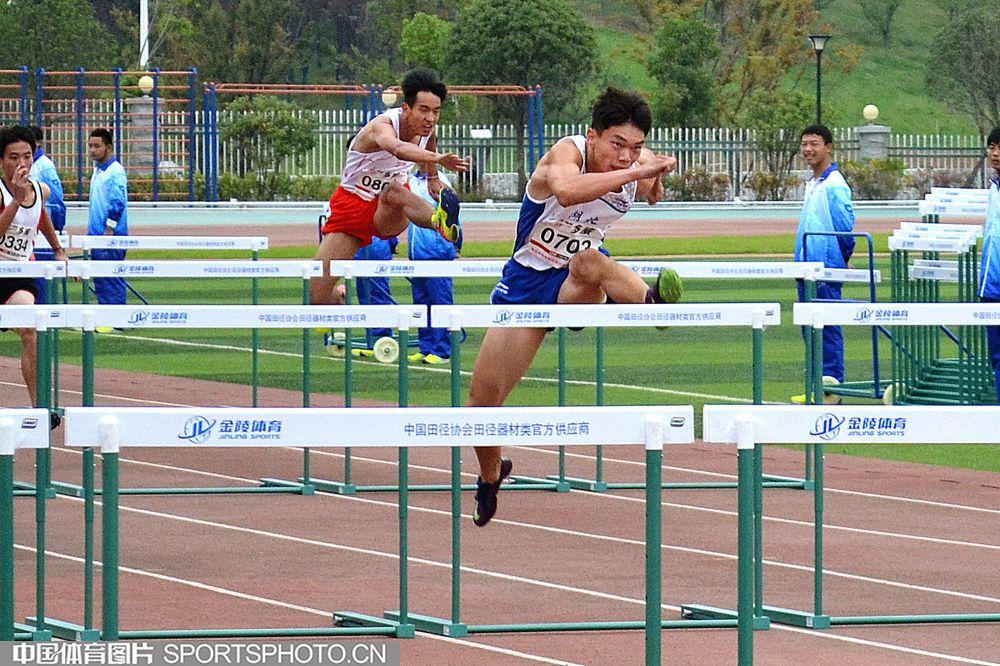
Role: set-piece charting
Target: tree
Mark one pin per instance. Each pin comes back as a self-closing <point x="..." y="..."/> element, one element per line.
<point x="55" y="34"/>
<point x="266" y="131"/>
<point x="963" y="70"/>
<point x="526" y="42"/>
<point x="777" y="119"/>
<point x="681" y="62"/>
<point x="880" y="14"/>
<point x="424" y="40"/>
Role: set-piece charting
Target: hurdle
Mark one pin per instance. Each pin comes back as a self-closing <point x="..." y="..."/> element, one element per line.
<point x="21" y="429"/>
<point x="115" y="429"/>
<point x="253" y="244"/>
<point x="818" y="431"/>
<point x="921" y="374"/>
<point x="748" y="427"/>
<point x="89" y="318"/>
<point x="810" y="272"/>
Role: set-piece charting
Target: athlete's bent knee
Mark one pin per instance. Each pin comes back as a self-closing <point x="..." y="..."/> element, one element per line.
<point x="587" y="266"/>
<point x="393" y="194"/>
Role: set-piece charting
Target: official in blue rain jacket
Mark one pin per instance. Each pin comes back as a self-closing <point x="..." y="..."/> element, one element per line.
<point x="108" y="211"/>
<point x="989" y="281"/>
<point x="43" y="170"/>
<point x="427" y="245"/>
<point x="827" y="207"/>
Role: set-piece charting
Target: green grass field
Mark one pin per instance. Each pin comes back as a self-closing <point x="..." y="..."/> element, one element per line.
<point x="677" y="366"/>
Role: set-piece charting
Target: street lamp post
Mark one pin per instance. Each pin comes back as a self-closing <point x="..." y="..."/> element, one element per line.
<point x="818" y="44"/>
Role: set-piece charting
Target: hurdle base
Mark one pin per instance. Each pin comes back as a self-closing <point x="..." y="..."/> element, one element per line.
<point x="576" y="483"/>
<point x="797" y="618"/>
<point x="335" y="487"/>
<point x="534" y="483"/>
<point x="300" y="487"/>
<point x="431" y="625"/>
<point x="794" y="484"/>
<point x="65" y="630"/>
<point x="74" y="490"/>
<point x="914" y="619"/>
<point x="348" y="619"/>
<point x="28" y="490"/>
<point x="704" y="613"/>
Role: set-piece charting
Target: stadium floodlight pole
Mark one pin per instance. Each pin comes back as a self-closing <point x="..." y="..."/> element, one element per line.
<point x="818" y="44"/>
<point x="143" y="33"/>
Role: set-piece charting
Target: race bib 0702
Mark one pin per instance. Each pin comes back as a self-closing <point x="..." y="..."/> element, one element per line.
<point x="556" y="241"/>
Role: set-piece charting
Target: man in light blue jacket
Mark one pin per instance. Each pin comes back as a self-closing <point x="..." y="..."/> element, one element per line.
<point x="989" y="282"/>
<point x="427" y="245"/>
<point x="108" y="210"/>
<point x="44" y="171"/>
<point x="826" y="207"/>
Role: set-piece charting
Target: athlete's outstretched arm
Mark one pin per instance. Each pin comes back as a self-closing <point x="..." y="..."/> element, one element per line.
<point x="385" y="138"/>
<point x="562" y="178"/>
<point x="651" y="189"/>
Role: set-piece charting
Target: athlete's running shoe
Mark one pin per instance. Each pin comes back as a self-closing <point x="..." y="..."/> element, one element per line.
<point x="446" y="215"/>
<point x="434" y="359"/>
<point x="667" y="289"/>
<point x="486" y="495"/>
<point x="415" y="357"/>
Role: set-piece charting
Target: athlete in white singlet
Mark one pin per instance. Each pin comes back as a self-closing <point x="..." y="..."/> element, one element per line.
<point x="579" y="189"/>
<point x="372" y="199"/>
<point x="23" y="216"/>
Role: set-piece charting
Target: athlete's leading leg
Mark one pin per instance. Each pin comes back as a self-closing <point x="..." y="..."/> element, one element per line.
<point x="29" y="348"/>
<point x="398" y="206"/>
<point x="594" y="276"/>
<point x="504" y="357"/>
<point x="336" y="246"/>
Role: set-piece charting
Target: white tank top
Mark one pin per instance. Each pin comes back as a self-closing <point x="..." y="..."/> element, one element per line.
<point x="18" y="242"/>
<point x="549" y="234"/>
<point x="367" y="174"/>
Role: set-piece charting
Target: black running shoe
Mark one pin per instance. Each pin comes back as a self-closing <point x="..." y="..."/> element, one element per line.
<point x="54" y="420"/>
<point x="486" y="495"/>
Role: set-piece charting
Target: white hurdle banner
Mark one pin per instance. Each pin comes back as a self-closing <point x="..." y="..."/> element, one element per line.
<point x="976" y="229"/>
<point x="932" y="244"/>
<point x="118" y="427"/>
<point x="88" y="317"/>
<point x="897" y="314"/>
<point x="612" y="315"/>
<point x="196" y="269"/>
<point x="32" y="269"/>
<point x="685" y="269"/>
<point x="169" y="242"/>
<point x="23" y="429"/>
<point x="42" y="243"/>
<point x="871" y="424"/>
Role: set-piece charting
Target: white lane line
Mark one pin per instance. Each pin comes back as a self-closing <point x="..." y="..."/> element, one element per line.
<point x="600" y="537"/>
<point x="283" y="604"/>
<point x="443" y="565"/>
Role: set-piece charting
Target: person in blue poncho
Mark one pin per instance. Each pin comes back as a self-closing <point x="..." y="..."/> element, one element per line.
<point x="826" y="207"/>
<point x="43" y="170"/>
<point x="108" y="210"/>
<point x="989" y="280"/>
<point x="427" y="245"/>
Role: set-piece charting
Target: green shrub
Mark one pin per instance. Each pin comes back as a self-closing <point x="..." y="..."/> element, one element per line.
<point x="697" y="184"/>
<point x="767" y="186"/>
<point x="282" y="188"/>
<point x="874" y="179"/>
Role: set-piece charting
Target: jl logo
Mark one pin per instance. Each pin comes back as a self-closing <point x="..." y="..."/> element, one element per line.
<point x="827" y="426"/>
<point x="197" y="430"/>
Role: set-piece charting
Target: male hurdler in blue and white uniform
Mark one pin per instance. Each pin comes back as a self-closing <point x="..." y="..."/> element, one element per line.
<point x="579" y="188"/>
<point x="989" y="283"/>
<point x="827" y="207"/>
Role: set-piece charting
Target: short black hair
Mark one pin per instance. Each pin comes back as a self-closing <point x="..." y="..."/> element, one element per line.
<point x="9" y="135"/>
<point x="618" y="107"/>
<point x="819" y="130"/>
<point x="422" y="80"/>
<point x="37" y="131"/>
<point x="104" y="135"/>
<point x="994" y="137"/>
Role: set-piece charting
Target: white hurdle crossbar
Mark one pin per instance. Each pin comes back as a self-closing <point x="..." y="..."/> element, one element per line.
<point x="22" y="429"/>
<point x="837" y="424"/>
<point x="252" y="243"/>
<point x="115" y="429"/>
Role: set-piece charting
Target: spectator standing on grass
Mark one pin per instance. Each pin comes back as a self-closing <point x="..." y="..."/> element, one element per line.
<point x="43" y="170"/>
<point x="108" y="211"/>
<point x="426" y="245"/>
<point x="989" y="281"/>
<point x="826" y="207"/>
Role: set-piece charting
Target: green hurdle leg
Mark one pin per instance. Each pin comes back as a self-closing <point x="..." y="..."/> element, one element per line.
<point x="43" y="483"/>
<point x="654" y="541"/>
<point x="747" y="545"/>
<point x="7" y="535"/>
<point x="109" y="544"/>
<point x="563" y="483"/>
<point x="255" y="339"/>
